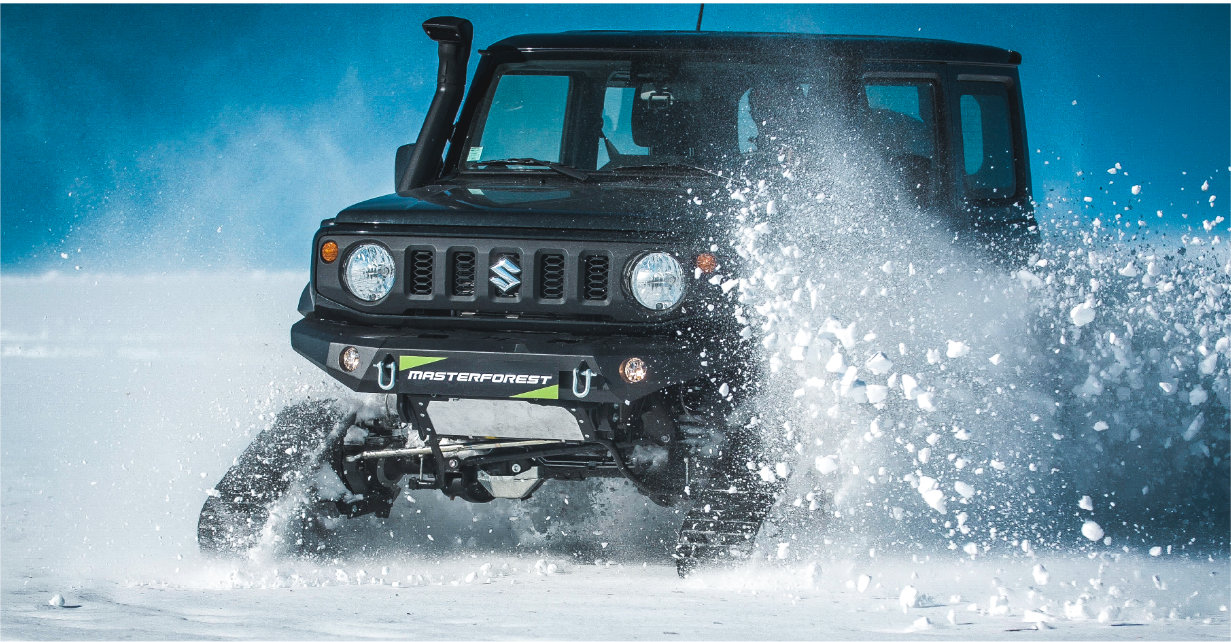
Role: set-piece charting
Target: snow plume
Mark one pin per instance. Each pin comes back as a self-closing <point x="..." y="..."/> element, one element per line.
<point x="924" y="393"/>
<point x="247" y="190"/>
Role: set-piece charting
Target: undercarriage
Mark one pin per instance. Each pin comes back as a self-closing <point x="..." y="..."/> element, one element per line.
<point x="676" y="447"/>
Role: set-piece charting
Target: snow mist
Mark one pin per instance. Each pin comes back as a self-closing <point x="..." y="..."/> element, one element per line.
<point x="926" y="394"/>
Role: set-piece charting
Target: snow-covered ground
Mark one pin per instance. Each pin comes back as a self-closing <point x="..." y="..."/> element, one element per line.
<point x="124" y="398"/>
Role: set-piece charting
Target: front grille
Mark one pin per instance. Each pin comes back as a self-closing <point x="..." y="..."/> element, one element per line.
<point x="595" y="271"/>
<point x="421" y="271"/>
<point x="551" y="276"/>
<point x="549" y="279"/>
<point x="463" y="274"/>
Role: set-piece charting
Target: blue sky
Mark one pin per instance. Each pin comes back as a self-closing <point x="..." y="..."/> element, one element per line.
<point x="190" y="136"/>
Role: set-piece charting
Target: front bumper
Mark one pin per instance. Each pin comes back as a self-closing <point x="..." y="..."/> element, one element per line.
<point x="469" y="364"/>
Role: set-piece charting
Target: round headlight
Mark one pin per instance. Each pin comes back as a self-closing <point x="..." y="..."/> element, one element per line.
<point x="656" y="281"/>
<point x="369" y="272"/>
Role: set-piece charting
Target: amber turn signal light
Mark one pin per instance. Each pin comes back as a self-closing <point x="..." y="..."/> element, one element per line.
<point x="329" y="251"/>
<point x="707" y="262"/>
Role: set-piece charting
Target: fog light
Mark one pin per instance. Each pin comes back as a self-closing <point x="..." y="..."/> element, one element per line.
<point x="349" y="359"/>
<point x="707" y="263"/>
<point x="634" y="370"/>
<point x="329" y="251"/>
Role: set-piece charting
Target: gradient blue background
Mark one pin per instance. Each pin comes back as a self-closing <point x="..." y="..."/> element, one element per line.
<point x="151" y="137"/>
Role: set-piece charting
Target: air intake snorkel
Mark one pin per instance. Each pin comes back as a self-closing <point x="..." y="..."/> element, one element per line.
<point x="419" y="163"/>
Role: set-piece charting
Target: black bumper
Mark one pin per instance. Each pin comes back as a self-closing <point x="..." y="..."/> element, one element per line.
<point x="471" y="364"/>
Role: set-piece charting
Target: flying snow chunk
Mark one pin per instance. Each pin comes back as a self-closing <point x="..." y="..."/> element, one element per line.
<point x="861" y="584"/>
<point x="1136" y="190"/>
<point x="835" y="364"/>
<point x="908" y="598"/>
<point x="1194" y="427"/>
<point x="965" y="490"/>
<point x="1091" y="387"/>
<point x="995" y="359"/>
<point x="879" y="364"/>
<point x="1130" y="270"/>
<point x="1155" y="551"/>
<point x="826" y="465"/>
<point x="971" y="549"/>
<point x="1209" y="364"/>
<point x="1092" y="531"/>
<point x="1100" y="426"/>
<point x="1085" y="503"/>
<point x="876" y="393"/>
<point x="932" y="494"/>
<point x="1205" y="187"/>
<point x="1082" y="313"/>
<point x="1040" y="575"/>
<point x="909" y="386"/>
<point x="956" y="349"/>
<point x="56" y="600"/>
<point x="1197" y="396"/>
<point x="925" y="402"/>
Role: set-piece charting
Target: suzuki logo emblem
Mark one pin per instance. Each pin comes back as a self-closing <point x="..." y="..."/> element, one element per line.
<point x="504" y="275"/>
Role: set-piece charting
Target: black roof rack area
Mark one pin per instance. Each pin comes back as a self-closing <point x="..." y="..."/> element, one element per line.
<point x="789" y="44"/>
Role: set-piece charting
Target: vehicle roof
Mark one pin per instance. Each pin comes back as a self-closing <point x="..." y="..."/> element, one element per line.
<point x="790" y="44"/>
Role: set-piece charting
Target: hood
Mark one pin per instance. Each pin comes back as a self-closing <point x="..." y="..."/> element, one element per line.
<point x="660" y="208"/>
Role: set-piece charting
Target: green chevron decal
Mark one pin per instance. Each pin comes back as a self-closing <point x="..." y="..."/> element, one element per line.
<point x="546" y="392"/>
<point x="409" y="362"/>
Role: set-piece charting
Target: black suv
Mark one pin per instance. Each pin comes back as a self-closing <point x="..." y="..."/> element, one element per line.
<point x="546" y="296"/>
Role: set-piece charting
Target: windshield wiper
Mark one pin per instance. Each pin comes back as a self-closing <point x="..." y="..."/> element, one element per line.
<point x="669" y="167"/>
<point x="571" y="172"/>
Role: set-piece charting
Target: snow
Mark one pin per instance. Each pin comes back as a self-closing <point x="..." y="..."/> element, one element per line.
<point x="965" y="477"/>
<point x="1082" y="313"/>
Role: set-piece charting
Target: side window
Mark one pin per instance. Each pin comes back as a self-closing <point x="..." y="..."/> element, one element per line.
<point x="903" y="115"/>
<point x="987" y="141"/>
<point x="618" y="126"/>
<point x="525" y="119"/>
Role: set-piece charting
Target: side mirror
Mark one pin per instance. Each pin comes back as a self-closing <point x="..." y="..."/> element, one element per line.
<point x="402" y="163"/>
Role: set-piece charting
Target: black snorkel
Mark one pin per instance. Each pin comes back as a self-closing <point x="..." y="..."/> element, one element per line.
<point x="418" y="163"/>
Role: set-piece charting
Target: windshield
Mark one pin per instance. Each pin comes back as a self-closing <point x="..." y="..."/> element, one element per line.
<point x="654" y="114"/>
<point x="613" y="115"/>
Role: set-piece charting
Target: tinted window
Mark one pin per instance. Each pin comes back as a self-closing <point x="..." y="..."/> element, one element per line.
<point x="525" y="119"/>
<point x="987" y="141"/>
<point x="617" y="134"/>
<point x="902" y="115"/>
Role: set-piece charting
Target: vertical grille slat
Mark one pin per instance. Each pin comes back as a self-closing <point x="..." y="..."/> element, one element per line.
<point x="551" y="276"/>
<point x="595" y="269"/>
<point x="422" y="270"/>
<point x="463" y="277"/>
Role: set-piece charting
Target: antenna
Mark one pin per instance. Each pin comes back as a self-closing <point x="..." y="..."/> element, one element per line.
<point x="700" y="14"/>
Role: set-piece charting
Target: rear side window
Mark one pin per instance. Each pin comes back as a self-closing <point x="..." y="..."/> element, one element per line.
<point x="525" y="119"/>
<point x="902" y="113"/>
<point x="987" y="141"/>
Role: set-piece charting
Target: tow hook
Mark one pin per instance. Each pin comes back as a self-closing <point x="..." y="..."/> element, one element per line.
<point x="386" y="366"/>
<point x="580" y="373"/>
